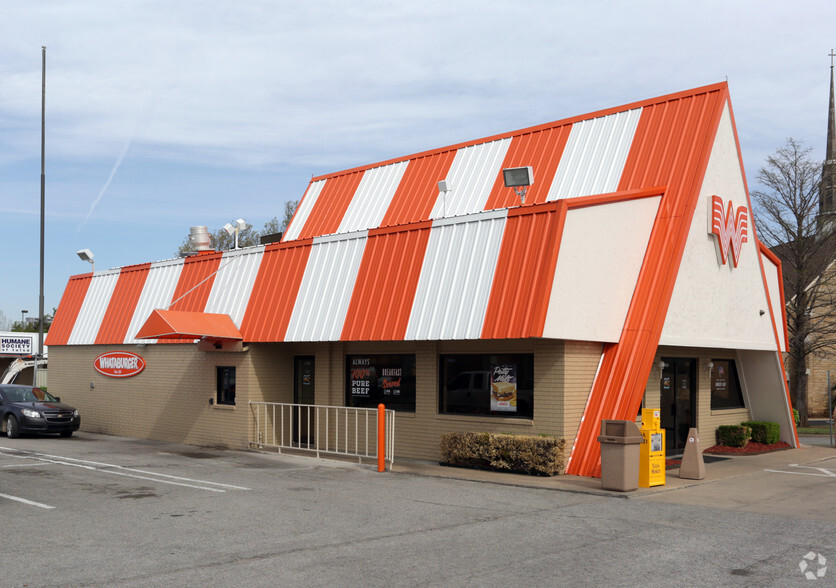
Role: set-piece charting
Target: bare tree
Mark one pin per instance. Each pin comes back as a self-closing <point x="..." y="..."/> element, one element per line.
<point x="289" y="210"/>
<point x="788" y="222"/>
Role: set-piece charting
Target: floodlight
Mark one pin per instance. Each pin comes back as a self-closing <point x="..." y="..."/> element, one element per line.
<point x="444" y="186"/>
<point x="518" y="176"/>
<point x="241" y="224"/>
<point x="229" y="228"/>
<point x="85" y="255"/>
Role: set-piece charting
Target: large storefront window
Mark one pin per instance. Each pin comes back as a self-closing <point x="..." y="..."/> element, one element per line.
<point x="381" y="379"/>
<point x="490" y="384"/>
<point x="725" y="385"/>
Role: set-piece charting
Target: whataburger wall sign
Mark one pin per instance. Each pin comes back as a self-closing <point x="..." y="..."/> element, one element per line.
<point x="730" y="227"/>
<point x="119" y="364"/>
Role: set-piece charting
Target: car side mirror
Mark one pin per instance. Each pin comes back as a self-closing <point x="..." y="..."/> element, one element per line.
<point x="57" y="398"/>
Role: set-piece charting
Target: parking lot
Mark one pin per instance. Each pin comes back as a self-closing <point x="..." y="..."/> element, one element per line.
<point x="97" y="510"/>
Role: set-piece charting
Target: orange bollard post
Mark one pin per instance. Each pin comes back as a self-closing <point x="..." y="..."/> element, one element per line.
<point x="381" y="437"/>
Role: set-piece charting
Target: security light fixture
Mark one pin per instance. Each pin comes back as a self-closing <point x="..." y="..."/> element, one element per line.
<point x="519" y="178"/>
<point x="240" y="225"/>
<point x="444" y="186"/>
<point x="87" y="255"/>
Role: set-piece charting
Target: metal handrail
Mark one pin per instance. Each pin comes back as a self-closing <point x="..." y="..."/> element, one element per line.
<point x="329" y="430"/>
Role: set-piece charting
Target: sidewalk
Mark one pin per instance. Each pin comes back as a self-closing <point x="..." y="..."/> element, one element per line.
<point x="732" y="467"/>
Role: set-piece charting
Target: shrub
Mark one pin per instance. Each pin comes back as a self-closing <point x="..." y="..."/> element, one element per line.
<point x="733" y="435"/>
<point x="528" y="454"/>
<point x="796" y="416"/>
<point x="764" y="432"/>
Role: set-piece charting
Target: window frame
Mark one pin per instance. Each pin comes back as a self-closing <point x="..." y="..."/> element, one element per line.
<point x="223" y="396"/>
<point x="481" y="365"/>
<point x="732" y="384"/>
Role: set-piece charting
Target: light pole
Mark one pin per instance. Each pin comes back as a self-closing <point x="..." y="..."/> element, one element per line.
<point x="23" y="314"/>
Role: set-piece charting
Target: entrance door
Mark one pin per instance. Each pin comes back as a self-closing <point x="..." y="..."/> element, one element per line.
<point x="679" y="407"/>
<point x="303" y="393"/>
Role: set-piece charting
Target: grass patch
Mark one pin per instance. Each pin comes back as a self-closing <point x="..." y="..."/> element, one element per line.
<point x="814" y="430"/>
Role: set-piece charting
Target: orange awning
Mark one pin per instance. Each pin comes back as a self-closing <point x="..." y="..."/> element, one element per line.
<point x="175" y="324"/>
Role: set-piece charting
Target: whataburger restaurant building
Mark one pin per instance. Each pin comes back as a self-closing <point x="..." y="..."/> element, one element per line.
<point x="632" y="276"/>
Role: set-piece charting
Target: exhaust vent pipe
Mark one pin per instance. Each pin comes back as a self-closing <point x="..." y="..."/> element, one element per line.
<point x="200" y="239"/>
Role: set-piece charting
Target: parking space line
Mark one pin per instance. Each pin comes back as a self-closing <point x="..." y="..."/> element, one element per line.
<point x="24" y="501"/>
<point x="115" y="470"/>
<point x="27" y="465"/>
<point x="823" y="472"/>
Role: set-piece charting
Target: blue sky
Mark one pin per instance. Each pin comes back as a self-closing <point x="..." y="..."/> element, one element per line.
<point x="162" y="115"/>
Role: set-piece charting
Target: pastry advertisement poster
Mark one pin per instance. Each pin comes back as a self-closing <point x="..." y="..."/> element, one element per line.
<point x="504" y="387"/>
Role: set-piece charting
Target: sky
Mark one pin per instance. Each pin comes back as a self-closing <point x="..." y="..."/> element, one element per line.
<point x="163" y="115"/>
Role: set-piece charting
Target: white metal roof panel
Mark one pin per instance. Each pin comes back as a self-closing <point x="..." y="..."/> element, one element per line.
<point x="157" y="293"/>
<point x="456" y="278"/>
<point x="93" y="308"/>
<point x="472" y="175"/>
<point x="372" y="198"/>
<point x="595" y="154"/>
<point x="234" y="283"/>
<point x="304" y="210"/>
<point x="326" y="288"/>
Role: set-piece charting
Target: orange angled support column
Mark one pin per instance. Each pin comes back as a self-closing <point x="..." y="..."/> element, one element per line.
<point x="381" y="437"/>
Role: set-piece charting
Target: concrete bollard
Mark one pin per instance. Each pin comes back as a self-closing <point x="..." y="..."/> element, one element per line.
<point x="692" y="466"/>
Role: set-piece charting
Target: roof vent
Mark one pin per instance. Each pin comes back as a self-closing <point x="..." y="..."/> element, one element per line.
<point x="200" y="239"/>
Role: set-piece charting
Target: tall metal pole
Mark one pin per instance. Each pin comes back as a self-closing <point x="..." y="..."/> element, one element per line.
<point x="43" y="209"/>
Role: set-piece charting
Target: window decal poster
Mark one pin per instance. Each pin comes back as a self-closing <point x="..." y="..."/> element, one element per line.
<point x="504" y="387"/>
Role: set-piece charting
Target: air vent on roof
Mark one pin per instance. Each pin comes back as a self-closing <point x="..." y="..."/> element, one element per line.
<point x="199" y="239"/>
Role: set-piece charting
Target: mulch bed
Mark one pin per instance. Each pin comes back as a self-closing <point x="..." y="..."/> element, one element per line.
<point x="751" y="448"/>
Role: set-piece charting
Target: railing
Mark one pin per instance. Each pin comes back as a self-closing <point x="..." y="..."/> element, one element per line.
<point x="330" y="430"/>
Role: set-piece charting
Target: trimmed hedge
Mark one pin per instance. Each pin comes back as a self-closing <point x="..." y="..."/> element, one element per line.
<point x="528" y="454"/>
<point x="733" y="435"/>
<point x="765" y="432"/>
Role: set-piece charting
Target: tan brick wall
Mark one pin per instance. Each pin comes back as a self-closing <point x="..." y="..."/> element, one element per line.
<point x="817" y="401"/>
<point x="168" y="401"/>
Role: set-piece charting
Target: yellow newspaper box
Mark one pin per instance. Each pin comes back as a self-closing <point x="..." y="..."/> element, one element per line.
<point x="652" y="450"/>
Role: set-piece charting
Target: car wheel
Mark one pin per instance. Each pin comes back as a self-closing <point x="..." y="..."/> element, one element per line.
<point x="66" y="433"/>
<point x="12" y="432"/>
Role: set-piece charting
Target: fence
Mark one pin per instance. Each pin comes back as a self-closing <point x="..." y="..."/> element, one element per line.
<point x="329" y="430"/>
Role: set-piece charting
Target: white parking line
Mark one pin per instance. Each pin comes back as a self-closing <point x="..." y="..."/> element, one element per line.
<point x="824" y="472"/>
<point x="24" y="501"/>
<point x="118" y="470"/>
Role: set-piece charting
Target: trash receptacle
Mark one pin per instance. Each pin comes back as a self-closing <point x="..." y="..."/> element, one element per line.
<point x="620" y="441"/>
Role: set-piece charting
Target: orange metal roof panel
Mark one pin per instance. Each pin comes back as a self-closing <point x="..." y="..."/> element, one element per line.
<point x="173" y="324"/>
<point x="123" y="301"/>
<point x="68" y="309"/>
<point x="195" y="282"/>
<point x="330" y="207"/>
<point x="541" y="149"/>
<point x="418" y="190"/>
<point x="671" y="147"/>
<point x="386" y="283"/>
<point x="275" y="290"/>
<point x="524" y="273"/>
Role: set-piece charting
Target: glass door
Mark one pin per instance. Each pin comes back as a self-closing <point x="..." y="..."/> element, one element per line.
<point x="678" y="402"/>
<point x="303" y="394"/>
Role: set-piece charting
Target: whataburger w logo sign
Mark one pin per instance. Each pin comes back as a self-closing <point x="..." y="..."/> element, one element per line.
<point x="730" y="227"/>
<point x="119" y="364"/>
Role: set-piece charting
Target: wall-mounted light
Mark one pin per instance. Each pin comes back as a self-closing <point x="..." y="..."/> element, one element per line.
<point x="87" y="255"/>
<point x="519" y="178"/>
<point x="710" y="365"/>
<point x="444" y="186"/>
<point x="662" y="365"/>
<point x="762" y="312"/>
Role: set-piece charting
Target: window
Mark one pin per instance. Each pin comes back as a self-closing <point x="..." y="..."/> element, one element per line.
<point x="380" y="379"/>
<point x="490" y="384"/>
<point x="226" y="385"/>
<point x="725" y="385"/>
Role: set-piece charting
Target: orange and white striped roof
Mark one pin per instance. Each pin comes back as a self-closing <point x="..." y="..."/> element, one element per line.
<point x="377" y="253"/>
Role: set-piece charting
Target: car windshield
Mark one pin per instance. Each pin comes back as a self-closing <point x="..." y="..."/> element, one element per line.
<point x="27" y="395"/>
